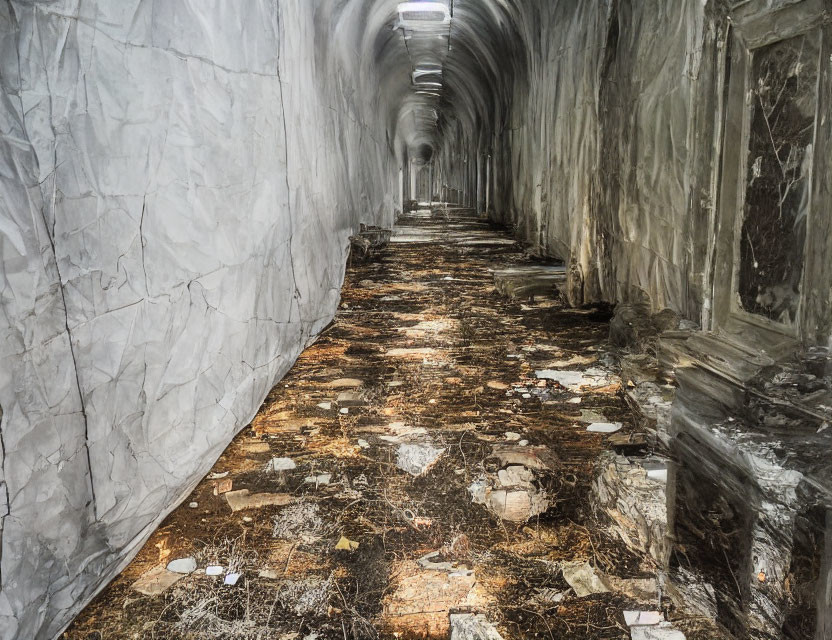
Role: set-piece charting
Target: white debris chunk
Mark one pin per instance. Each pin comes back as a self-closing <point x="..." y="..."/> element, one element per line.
<point x="281" y="464"/>
<point x="604" y="427"/>
<point x="469" y="626"/>
<point x="417" y="459"/>
<point x="182" y="565"/>
<point x="583" y="579"/>
<point x="642" y="618"/>
<point x="664" y="631"/>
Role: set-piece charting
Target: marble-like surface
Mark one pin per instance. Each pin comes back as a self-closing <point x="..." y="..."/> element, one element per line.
<point x="784" y="80"/>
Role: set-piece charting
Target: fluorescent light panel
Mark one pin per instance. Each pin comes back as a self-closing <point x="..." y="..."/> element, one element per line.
<point x="415" y="14"/>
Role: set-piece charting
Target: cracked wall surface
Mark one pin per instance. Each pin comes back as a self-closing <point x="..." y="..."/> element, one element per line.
<point x="604" y="161"/>
<point x="178" y="182"/>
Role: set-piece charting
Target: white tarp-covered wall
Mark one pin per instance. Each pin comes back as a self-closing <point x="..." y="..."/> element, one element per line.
<point x="178" y="182"/>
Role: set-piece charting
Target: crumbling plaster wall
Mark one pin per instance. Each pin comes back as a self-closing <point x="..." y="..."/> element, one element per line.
<point x="607" y="161"/>
<point x="178" y="181"/>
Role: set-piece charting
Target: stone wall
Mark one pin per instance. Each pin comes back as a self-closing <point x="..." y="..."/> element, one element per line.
<point x="178" y="182"/>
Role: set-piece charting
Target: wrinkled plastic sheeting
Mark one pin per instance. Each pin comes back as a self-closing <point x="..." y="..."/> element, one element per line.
<point x="178" y="182"/>
<point x="604" y="160"/>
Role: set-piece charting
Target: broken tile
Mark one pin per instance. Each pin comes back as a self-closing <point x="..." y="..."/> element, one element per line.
<point x="156" y="581"/>
<point x="214" y="570"/>
<point x="231" y="579"/>
<point x="642" y="618"/>
<point x="417" y="459"/>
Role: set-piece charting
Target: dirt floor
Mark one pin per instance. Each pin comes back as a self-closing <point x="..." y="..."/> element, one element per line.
<point x="424" y="360"/>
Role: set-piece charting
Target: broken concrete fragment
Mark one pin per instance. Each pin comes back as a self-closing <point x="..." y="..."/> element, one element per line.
<point x="243" y="499"/>
<point x="214" y="570"/>
<point x="182" y="565"/>
<point x="326" y="406"/>
<point x="604" y="427"/>
<point x="642" y="618"/>
<point x="156" y="581"/>
<point x="351" y="399"/>
<point x="511" y="436"/>
<point x="469" y="626"/>
<point x="582" y="577"/>
<point x="664" y="631"/>
<point x="417" y="458"/>
<point x="281" y="464"/>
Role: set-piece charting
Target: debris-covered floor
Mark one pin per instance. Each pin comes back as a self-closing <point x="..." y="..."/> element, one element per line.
<point x="411" y="475"/>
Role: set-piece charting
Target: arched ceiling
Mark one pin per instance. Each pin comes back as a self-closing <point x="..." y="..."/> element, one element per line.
<point x="460" y="64"/>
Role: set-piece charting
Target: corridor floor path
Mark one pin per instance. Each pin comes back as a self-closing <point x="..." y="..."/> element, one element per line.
<point x="411" y="475"/>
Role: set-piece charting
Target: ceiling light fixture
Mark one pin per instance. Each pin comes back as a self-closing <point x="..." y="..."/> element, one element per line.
<point x="424" y="15"/>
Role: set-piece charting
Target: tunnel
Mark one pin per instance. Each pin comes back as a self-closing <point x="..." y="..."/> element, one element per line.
<point x="468" y="319"/>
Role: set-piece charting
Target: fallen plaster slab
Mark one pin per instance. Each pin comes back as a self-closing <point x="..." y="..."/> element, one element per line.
<point x="243" y="499"/>
<point x="422" y="599"/>
<point x="156" y="581"/>
<point x="469" y="626"/>
<point x="578" y="380"/>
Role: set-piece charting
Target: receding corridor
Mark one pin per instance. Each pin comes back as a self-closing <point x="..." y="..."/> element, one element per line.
<point x="436" y="319"/>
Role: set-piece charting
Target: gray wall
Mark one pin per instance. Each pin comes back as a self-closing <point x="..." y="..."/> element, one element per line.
<point x="178" y="181"/>
<point x="604" y="161"/>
